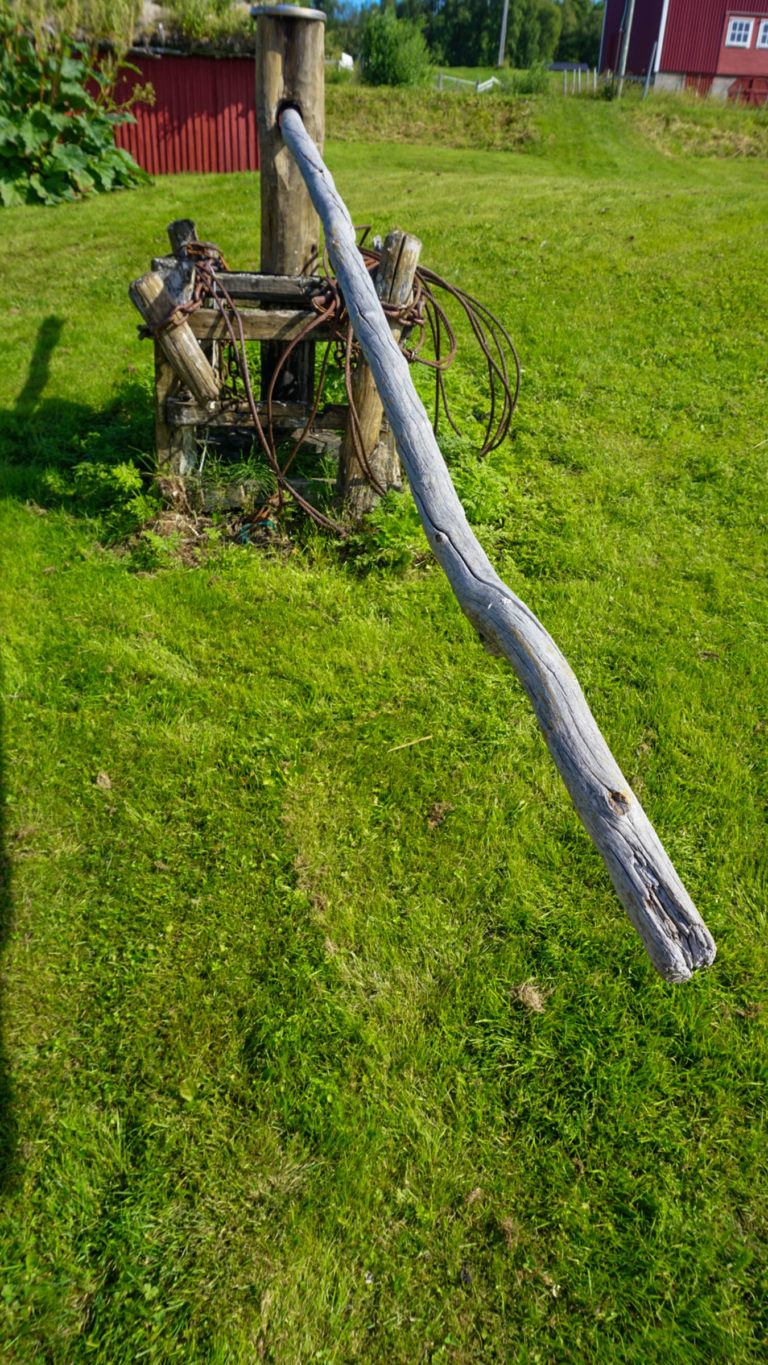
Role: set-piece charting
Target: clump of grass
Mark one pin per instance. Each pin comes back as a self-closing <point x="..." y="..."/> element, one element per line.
<point x="681" y="126"/>
<point x="425" y="117"/>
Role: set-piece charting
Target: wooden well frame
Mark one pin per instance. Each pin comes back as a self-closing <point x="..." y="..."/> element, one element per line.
<point x="274" y="304"/>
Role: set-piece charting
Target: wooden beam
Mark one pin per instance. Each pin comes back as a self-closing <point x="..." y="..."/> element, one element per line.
<point x="674" y="934"/>
<point x="179" y="346"/>
<point x="287" y="291"/>
<point x="179" y="412"/>
<point x="249" y="286"/>
<point x="281" y="324"/>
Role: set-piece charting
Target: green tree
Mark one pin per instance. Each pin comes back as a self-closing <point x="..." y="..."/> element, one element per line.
<point x="394" y="50"/>
<point x="550" y="26"/>
<point x="467" y="32"/>
<point x="582" y="24"/>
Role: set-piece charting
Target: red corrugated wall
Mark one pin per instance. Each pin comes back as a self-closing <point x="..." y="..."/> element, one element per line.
<point x="203" y="118"/>
<point x="695" y="30"/>
<point x="692" y="38"/>
<point x="645" y="31"/>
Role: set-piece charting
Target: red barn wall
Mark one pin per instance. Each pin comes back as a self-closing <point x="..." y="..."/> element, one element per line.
<point x="694" y="37"/>
<point x="203" y="118"/>
<point x="645" y="31"/>
<point x="741" y="61"/>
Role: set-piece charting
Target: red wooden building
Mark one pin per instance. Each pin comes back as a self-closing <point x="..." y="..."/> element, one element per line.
<point x="203" y="117"/>
<point x="705" y="45"/>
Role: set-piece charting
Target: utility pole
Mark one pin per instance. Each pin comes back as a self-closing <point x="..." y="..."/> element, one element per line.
<point x="630" y="14"/>
<point x="503" y="39"/>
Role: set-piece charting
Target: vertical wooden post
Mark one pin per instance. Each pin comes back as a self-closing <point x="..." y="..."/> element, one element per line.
<point x="290" y="67"/>
<point x="176" y="446"/>
<point x="394" y="284"/>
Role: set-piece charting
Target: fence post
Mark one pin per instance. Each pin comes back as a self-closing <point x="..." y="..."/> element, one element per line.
<point x="290" y="67"/>
<point x="394" y="284"/>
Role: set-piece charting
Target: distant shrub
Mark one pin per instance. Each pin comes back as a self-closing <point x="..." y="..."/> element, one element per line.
<point x="394" y="51"/>
<point x="339" y="75"/>
<point x="57" y="121"/>
<point x="534" y="81"/>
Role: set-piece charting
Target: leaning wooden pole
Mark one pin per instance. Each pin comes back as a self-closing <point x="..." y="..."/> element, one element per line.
<point x="674" y="934"/>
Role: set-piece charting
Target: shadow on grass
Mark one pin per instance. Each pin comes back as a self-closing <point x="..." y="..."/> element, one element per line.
<point x="7" y="1116"/>
<point x="39" y="366"/>
<point x="43" y="440"/>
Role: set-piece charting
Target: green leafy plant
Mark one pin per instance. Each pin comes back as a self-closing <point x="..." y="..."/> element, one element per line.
<point x="57" y="120"/>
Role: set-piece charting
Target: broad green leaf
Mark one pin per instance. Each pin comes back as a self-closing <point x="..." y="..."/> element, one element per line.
<point x="9" y="194"/>
<point x="37" y="184"/>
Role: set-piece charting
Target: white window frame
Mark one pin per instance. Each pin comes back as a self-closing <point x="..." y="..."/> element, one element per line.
<point x="762" y="35"/>
<point x="736" y="24"/>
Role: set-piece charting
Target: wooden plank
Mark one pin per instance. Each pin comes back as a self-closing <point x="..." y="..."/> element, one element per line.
<point x="283" y="290"/>
<point x="292" y="416"/>
<point x="250" y="286"/>
<point x="281" y="324"/>
<point x="674" y="934"/>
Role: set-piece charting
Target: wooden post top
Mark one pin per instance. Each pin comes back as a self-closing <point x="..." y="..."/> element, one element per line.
<point x="288" y="12"/>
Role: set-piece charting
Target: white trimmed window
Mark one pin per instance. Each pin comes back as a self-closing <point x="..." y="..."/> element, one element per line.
<point x="762" y="34"/>
<point x="739" y="33"/>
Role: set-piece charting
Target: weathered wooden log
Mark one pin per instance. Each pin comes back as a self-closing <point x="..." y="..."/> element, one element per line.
<point x="674" y="934"/>
<point x="286" y="416"/>
<point x="286" y="291"/>
<point x="289" y="67"/>
<point x="279" y="324"/>
<point x="181" y="232"/>
<point x="394" y="284"/>
<point x="178" y="344"/>
<point x="171" y="444"/>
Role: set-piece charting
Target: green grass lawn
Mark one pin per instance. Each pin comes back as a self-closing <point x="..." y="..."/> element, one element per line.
<point x="320" y="1048"/>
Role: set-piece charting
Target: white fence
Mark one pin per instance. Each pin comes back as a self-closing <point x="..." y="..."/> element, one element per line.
<point x="459" y="83"/>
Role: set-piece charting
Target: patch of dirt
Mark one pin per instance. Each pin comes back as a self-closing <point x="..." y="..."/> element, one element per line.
<point x="439" y="812"/>
<point x="529" y="995"/>
<point x="191" y="537"/>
